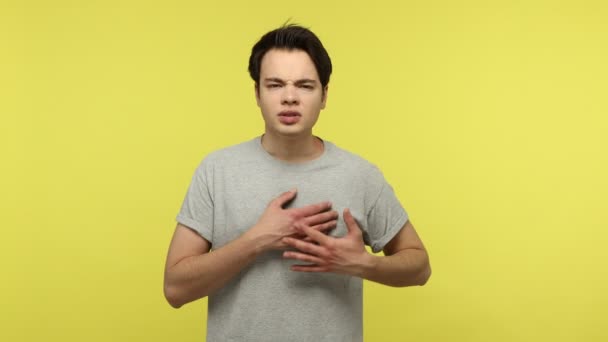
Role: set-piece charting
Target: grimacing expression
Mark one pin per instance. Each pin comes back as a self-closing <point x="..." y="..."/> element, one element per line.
<point x="289" y="93"/>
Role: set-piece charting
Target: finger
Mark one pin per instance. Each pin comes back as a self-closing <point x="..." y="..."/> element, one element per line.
<point x="284" y="198"/>
<point x="309" y="239"/>
<point x="325" y="226"/>
<point x="312" y="209"/>
<point x="302" y="237"/>
<point x="309" y="268"/>
<point x="307" y="247"/>
<point x="351" y="224"/>
<point x="303" y="257"/>
<point x="321" y="218"/>
<point x="317" y="236"/>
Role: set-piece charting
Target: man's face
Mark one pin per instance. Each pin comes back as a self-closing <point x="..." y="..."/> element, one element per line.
<point x="290" y="94"/>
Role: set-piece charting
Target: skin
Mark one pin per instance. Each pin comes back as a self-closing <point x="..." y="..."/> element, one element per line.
<point x="289" y="81"/>
<point x="191" y="272"/>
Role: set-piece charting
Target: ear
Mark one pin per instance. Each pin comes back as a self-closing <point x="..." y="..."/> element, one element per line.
<point x="324" y="97"/>
<point x="256" y="89"/>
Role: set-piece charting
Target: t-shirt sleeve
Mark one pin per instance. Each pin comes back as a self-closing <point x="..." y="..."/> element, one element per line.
<point x="197" y="209"/>
<point x="386" y="216"/>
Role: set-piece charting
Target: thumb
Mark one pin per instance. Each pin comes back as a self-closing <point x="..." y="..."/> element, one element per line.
<point x="284" y="198"/>
<point x="351" y="224"/>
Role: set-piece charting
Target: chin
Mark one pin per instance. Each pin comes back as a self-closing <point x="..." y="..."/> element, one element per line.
<point x="291" y="131"/>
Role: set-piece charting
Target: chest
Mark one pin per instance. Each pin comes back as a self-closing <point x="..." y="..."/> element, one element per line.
<point x="241" y="198"/>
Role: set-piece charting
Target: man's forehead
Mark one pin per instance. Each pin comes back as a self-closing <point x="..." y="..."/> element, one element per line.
<point x="292" y="65"/>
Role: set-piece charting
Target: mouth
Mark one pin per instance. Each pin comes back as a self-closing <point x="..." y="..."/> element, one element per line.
<point x="289" y="117"/>
<point x="289" y="113"/>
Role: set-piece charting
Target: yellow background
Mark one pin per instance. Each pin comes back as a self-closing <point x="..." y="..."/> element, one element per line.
<point x="487" y="117"/>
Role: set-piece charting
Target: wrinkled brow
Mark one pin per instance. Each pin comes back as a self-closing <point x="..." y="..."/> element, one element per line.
<point x="281" y="81"/>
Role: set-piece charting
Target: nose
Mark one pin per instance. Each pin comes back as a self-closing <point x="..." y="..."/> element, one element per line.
<point x="289" y="96"/>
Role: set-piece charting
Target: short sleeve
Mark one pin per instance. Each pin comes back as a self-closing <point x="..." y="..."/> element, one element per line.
<point x="386" y="215"/>
<point x="197" y="209"/>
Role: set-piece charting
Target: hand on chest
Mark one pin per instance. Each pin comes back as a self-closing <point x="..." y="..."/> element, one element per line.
<point x="241" y="211"/>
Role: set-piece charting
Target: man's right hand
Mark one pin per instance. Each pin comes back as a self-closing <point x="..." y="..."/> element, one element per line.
<point x="277" y="222"/>
<point x="192" y="272"/>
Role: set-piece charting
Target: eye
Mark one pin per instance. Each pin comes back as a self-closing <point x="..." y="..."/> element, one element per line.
<point x="273" y="85"/>
<point x="307" y="86"/>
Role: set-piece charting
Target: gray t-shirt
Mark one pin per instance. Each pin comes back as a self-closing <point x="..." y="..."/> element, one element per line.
<point x="267" y="301"/>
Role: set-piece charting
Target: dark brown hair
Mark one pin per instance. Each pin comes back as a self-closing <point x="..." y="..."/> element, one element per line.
<point x="291" y="37"/>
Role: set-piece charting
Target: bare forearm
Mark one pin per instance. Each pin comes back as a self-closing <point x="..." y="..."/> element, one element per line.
<point x="196" y="272"/>
<point x="198" y="276"/>
<point x="404" y="268"/>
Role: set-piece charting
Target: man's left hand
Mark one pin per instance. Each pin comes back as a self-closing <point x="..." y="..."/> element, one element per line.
<point x="324" y="253"/>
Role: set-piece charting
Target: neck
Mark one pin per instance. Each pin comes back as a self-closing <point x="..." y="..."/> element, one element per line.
<point x="292" y="148"/>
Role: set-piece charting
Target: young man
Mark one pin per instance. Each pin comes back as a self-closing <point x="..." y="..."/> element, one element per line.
<point x="259" y="231"/>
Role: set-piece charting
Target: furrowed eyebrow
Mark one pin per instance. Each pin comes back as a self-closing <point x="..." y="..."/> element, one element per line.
<point x="305" y="81"/>
<point x="297" y="82"/>
<point x="274" y="79"/>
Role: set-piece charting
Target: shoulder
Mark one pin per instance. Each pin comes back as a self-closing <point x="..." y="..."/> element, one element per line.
<point x="355" y="163"/>
<point x="228" y="157"/>
<point x="362" y="173"/>
<point x="230" y="154"/>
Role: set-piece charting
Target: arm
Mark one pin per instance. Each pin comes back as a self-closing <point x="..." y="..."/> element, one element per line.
<point x="406" y="262"/>
<point x="192" y="272"/>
